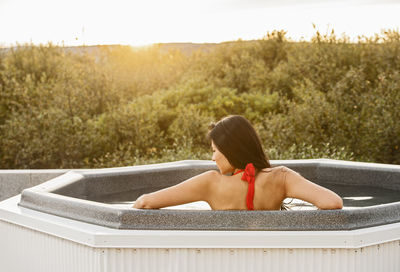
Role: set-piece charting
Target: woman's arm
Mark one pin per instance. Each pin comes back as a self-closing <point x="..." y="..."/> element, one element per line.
<point x="194" y="189"/>
<point x="298" y="187"/>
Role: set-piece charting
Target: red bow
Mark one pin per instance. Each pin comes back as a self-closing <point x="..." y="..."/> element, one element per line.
<point x="249" y="176"/>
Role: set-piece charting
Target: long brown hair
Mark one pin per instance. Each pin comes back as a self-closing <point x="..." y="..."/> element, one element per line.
<point x="237" y="139"/>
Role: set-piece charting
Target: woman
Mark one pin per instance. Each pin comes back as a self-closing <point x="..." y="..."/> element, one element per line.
<point x="253" y="185"/>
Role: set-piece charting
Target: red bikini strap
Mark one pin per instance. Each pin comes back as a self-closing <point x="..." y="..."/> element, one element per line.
<point x="249" y="176"/>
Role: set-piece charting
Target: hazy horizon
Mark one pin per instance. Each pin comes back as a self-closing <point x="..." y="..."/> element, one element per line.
<point x="138" y="23"/>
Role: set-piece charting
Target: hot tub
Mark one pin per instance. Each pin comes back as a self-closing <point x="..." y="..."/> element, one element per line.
<point x="88" y="213"/>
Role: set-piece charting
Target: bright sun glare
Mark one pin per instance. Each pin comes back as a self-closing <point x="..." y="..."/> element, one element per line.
<point x="136" y="22"/>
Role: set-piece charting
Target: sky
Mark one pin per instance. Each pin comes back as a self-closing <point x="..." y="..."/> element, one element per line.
<point x="142" y="22"/>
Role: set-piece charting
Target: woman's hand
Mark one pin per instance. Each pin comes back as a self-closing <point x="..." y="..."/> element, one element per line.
<point x="194" y="189"/>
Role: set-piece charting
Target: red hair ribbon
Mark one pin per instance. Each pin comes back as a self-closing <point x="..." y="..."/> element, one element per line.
<point x="249" y="176"/>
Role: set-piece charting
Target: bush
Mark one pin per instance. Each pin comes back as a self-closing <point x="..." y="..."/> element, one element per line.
<point x="114" y="105"/>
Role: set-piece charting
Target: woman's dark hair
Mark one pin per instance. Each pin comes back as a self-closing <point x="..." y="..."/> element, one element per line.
<point x="236" y="138"/>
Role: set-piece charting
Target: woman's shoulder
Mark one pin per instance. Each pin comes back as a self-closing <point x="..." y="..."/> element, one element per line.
<point x="276" y="169"/>
<point x="276" y="173"/>
<point x="213" y="175"/>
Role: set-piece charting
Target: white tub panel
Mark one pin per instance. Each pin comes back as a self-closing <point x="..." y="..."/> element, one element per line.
<point x="23" y="249"/>
<point x="200" y="260"/>
<point x="26" y="250"/>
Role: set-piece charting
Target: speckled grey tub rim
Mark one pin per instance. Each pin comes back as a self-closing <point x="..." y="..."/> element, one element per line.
<point x="42" y="198"/>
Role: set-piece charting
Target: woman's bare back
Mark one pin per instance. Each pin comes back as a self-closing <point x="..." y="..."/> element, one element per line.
<point x="272" y="186"/>
<point x="229" y="192"/>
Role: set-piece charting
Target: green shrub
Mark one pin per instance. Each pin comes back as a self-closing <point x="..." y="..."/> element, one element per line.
<point x="114" y="105"/>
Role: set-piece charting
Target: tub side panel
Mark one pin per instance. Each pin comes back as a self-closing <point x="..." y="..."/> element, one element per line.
<point x="23" y="249"/>
<point x="383" y="257"/>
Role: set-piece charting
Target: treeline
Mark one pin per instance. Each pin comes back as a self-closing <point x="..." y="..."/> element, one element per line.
<point x="119" y="106"/>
